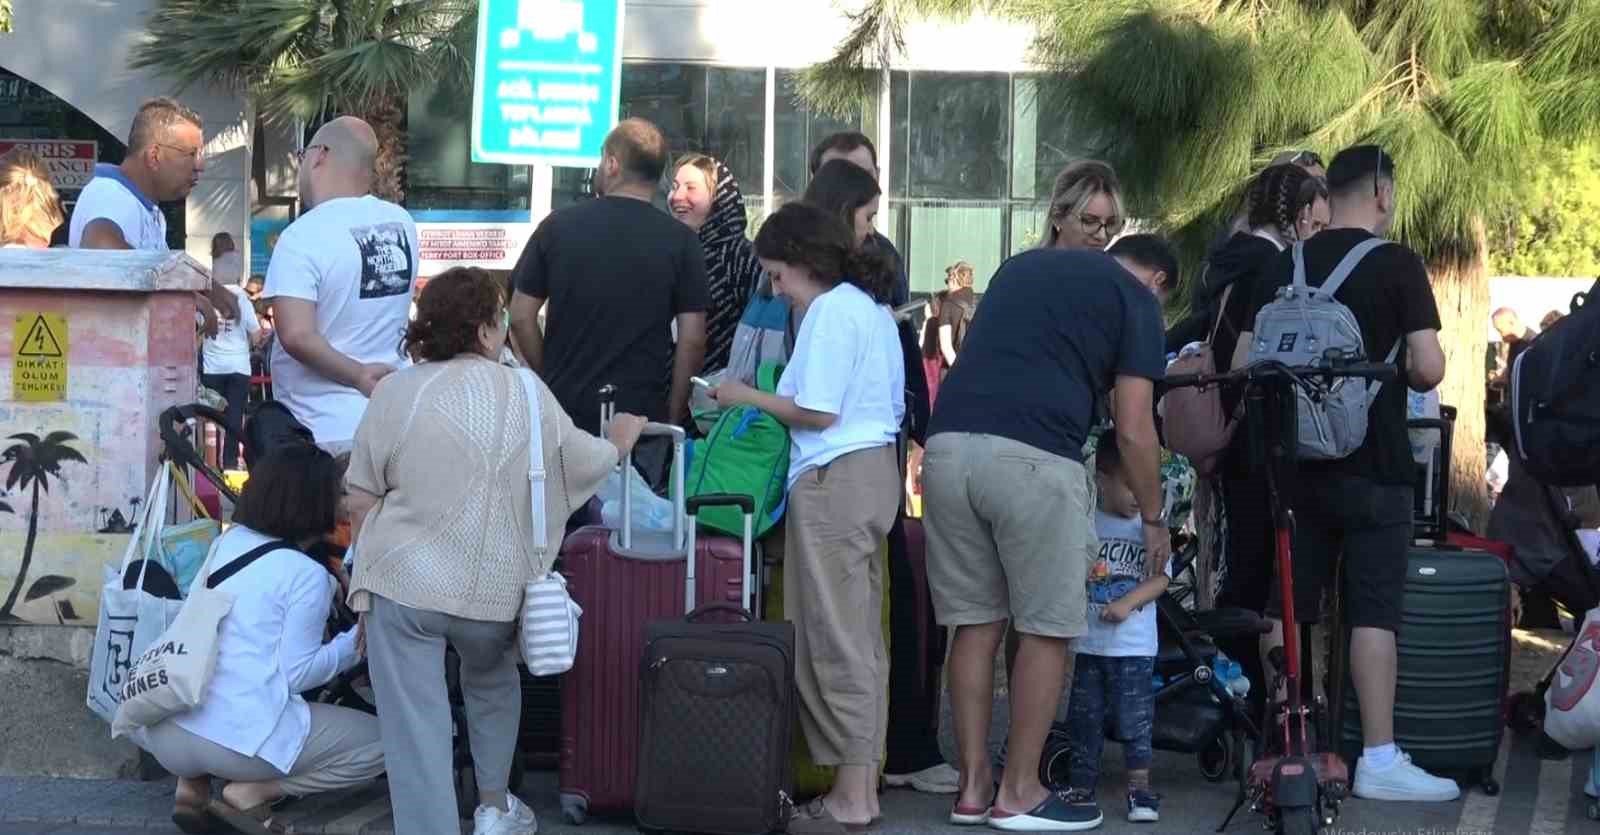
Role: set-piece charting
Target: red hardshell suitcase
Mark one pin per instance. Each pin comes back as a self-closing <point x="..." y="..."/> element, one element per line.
<point x="623" y="580"/>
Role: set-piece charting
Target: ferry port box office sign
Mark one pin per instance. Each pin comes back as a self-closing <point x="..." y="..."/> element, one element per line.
<point x="71" y="162"/>
<point x="548" y="81"/>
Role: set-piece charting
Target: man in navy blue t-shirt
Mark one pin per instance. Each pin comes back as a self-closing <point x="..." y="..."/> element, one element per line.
<point x="1006" y="499"/>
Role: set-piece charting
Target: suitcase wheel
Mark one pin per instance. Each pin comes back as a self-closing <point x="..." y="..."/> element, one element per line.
<point x="1490" y="786"/>
<point x="1593" y="811"/>
<point x="574" y="809"/>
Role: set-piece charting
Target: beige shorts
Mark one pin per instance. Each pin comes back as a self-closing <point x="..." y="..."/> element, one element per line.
<point x="1008" y="527"/>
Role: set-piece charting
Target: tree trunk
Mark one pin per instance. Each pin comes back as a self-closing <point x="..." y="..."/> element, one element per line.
<point x="387" y="118"/>
<point x="1461" y="288"/>
<point x="27" y="557"/>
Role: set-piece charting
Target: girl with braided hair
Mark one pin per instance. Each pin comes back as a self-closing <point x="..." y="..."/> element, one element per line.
<point x="1283" y="204"/>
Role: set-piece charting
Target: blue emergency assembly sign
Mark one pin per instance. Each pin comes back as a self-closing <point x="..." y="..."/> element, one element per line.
<point x="547" y="83"/>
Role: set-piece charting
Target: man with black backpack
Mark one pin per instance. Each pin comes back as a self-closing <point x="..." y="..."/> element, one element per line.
<point x="1360" y="504"/>
<point x="955" y="316"/>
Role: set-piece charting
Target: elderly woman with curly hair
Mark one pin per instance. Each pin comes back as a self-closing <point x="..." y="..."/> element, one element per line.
<point x="440" y="498"/>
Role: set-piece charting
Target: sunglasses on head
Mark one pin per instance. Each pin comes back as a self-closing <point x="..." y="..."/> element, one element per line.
<point x="1307" y="158"/>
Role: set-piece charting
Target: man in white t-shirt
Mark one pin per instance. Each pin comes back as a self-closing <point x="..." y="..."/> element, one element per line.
<point x="120" y="207"/>
<point x="340" y="285"/>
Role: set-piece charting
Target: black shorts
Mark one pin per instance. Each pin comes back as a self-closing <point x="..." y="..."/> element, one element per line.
<point x="1370" y="525"/>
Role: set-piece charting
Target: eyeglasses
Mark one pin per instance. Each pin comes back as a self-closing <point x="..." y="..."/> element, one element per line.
<point x="300" y="155"/>
<point x="1095" y="226"/>
<point x="191" y="153"/>
<point x="1307" y="159"/>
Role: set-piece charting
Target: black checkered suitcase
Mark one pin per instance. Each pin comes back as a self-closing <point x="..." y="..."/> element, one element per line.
<point x="716" y="712"/>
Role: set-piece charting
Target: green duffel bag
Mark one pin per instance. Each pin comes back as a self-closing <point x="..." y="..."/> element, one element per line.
<point x="745" y="453"/>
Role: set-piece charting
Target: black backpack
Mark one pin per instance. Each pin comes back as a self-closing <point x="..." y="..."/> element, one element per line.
<point x="1555" y="399"/>
<point x="272" y="426"/>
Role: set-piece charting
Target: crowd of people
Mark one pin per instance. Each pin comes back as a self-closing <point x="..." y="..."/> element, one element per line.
<point x="1034" y="443"/>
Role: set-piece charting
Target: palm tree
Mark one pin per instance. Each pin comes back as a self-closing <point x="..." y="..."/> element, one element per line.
<point x="307" y="60"/>
<point x="34" y="461"/>
<point x="1187" y="98"/>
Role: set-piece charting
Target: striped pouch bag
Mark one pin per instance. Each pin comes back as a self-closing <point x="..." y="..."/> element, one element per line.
<point x="549" y="623"/>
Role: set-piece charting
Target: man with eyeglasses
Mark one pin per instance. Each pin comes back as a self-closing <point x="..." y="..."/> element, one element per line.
<point x="340" y="285"/>
<point x="120" y="207"/>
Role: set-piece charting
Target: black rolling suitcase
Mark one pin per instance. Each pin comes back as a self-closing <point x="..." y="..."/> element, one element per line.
<point x="1454" y="651"/>
<point x="716" y="712"/>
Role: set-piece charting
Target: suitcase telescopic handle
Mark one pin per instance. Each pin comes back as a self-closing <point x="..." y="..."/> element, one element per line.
<point x="739" y="500"/>
<point x="749" y="590"/>
<point x="734" y="609"/>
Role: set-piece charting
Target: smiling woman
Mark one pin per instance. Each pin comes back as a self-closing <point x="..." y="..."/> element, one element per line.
<point x="706" y="198"/>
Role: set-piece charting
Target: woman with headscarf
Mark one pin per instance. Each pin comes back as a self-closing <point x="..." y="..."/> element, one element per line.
<point x="707" y="199"/>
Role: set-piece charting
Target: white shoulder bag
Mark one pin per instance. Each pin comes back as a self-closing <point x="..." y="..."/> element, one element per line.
<point x="549" y="626"/>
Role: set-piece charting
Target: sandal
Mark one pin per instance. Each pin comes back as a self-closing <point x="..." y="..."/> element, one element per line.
<point x="194" y="819"/>
<point x="815" y="819"/>
<point x="254" y="821"/>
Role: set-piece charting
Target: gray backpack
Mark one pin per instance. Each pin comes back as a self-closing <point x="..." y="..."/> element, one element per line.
<point x="1298" y="328"/>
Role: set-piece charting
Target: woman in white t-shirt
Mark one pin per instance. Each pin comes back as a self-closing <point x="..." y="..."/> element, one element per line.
<point x="842" y="397"/>
<point x="227" y="355"/>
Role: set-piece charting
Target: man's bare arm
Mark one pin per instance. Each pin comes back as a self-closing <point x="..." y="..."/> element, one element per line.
<point x="297" y="329"/>
<point x="102" y="233"/>
<point x="687" y="361"/>
<point x="526" y="335"/>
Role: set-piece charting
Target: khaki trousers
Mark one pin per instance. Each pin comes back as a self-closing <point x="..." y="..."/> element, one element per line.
<point x="838" y="517"/>
<point x="342" y="750"/>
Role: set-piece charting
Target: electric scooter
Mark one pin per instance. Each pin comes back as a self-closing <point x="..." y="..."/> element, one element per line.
<point x="1298" y="782"/>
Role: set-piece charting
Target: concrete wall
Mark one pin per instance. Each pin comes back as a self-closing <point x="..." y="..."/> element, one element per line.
<point x="79" y="50"/>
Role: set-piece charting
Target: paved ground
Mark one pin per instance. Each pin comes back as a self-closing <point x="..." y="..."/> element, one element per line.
<point x="1539" y="798"/>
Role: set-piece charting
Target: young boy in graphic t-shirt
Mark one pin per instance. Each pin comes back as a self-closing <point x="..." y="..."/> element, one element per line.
<point x="1116" y="658"/>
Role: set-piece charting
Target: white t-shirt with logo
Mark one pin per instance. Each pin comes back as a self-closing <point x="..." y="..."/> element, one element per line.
<point x="229" y="351"/>
<point x="846" y="362"/>
<point x="356" y="259"/>
<point x="1119" y="568"/>
<point x="112" y="196"/>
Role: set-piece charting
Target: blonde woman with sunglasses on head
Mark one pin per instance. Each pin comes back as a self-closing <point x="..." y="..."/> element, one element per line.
<point x="30" y="209"/>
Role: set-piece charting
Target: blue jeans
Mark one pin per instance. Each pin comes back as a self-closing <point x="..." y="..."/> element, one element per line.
<point x="1120" y="687"/>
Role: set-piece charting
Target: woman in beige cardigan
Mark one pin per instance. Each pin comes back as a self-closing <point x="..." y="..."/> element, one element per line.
<point x="439" y="491"/>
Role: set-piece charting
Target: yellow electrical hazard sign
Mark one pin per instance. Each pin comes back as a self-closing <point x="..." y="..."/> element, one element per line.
<point x="39" y="358"/>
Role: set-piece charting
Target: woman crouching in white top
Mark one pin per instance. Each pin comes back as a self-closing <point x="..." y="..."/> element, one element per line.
<point x="252" y="727"/>
<point x="842" y="397"/>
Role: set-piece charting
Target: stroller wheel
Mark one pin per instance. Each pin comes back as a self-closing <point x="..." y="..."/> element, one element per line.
<point x="1526" y="712"/>
<point x="1216" y="758"/>
<point x="1056" y="761"/>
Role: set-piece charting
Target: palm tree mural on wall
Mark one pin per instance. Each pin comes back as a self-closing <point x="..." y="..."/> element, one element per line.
<point x="34" y="462"/>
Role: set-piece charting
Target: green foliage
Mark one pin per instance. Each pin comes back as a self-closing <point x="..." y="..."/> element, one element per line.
<point x="1554" y="229"/>
<point x="5" y="16"/>
<point x="300" y="59"/>
<point x="1189" y="98"/>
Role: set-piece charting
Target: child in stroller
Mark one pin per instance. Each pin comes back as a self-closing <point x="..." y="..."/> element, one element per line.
<point x="270" y="426"/>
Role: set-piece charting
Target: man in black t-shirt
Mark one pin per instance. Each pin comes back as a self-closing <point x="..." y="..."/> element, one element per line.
<point x="617" y="273"/>
<point x="1362" y="505"/>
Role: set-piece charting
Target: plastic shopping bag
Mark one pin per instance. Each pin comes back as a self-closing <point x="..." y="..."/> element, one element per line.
<point x="650" y="512"/>
<point x="1572" y="715"/>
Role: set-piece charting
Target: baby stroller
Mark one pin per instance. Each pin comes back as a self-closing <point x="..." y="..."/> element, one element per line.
<point x="1196" y="712"/>
<point x="270" y="426"/>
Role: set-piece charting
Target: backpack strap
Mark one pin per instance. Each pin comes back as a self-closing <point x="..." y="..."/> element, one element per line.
<point x="1299" y="251"/>
<point x="217" y="577"/>
<point x="1341" y="273"/>
<point x="536" y="474"/>
<point x="1222" y="314"/>
<point x="767" y="376"/>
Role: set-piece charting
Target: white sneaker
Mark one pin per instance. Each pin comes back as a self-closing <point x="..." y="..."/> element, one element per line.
<point x="517" y="820"/>
<point x="938" y="779"/>
<point x="1402" y="781"/>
